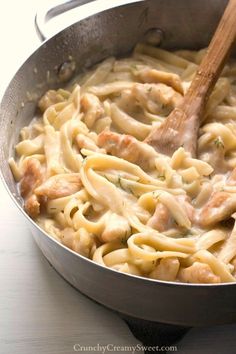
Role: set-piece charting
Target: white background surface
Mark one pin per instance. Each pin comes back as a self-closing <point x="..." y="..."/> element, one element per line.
<point x="39" y="312"/>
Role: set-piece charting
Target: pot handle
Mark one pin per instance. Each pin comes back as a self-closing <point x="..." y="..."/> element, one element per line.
<point x="58" y="7"/>
<point x="47" y="12"/>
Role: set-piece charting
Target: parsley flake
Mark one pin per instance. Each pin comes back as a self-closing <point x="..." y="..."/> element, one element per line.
<point x="219" y="143"/>
<point x="134" y="67"/>
<point x="162" y="177"/>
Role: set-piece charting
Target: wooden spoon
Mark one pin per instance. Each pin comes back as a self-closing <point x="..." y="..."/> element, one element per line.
<point x="180" y="128"/>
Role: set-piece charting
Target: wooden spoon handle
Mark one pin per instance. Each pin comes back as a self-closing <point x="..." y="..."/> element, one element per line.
<point x="213" y="62"/>
<point x="180" y="128"/>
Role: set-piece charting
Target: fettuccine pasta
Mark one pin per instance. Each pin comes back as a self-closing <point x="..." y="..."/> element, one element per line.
<point x="90" y="180"/>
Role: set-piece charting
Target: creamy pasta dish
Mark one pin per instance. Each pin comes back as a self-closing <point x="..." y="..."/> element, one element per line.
<point x="90" y="180"/>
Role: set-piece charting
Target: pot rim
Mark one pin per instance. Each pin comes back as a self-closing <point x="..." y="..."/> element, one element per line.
<point x="45" y="234"/>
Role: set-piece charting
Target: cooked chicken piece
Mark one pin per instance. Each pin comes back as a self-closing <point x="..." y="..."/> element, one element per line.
<point x="156" y="98"/>
<point x="228" y="249"/>
<point x="128" y="268"/>
<point x="59" y="186"/>
<point x="79" y="241"/>
<point x="51" y="97"/>
<point x="185" y="201"/>
<point x="32" y="177"/>
<point x="233" y="262"/>
<point x="218" y="161"/>
<point x="84" y="142"/>
<point x="167" y="269"/>
<point x="117" y="228"/>
<point x="92" y="108"/>
<point x="198" y="273"/>
<point x="162" y="218"/>
<point x="84" y="243"/>
<point x="32" y="206"/>
<point x="152" y="76"/>
<point x="127" y="103"/>
<point x="67" y="237"/>
<point x="231" y="181"/>
<point x="128" y="148"/>
<point x="220" y="206"/>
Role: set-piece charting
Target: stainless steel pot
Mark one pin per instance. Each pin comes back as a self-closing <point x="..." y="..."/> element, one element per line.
<point x="185" y="24"/>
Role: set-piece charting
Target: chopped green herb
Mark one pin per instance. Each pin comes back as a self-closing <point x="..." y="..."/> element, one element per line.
<point x="162" y="177"/>
<point x="219" y="143"/>
<point x="175" y="222"/>
<point x="134" y="67"/>
<point x="84" y="160"/>
<point x="149" y="89"/>
<point x="156" y="194"/>
<point x="119" y="182"/>
<point x="123" y="241"/>
<point x="130" y="190"/>
<point x="125" y="188"/>
<point x="162" y="106"/>
<point x="106" y="178"/>
<point x="187" y="233"/>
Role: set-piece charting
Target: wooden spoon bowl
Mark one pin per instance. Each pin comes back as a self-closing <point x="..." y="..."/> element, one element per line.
<point x="180" y="128"/>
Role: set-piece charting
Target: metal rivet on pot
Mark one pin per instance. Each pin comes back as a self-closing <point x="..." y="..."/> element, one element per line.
<point x="154" y="36"/>
<point x="66" y="71"/>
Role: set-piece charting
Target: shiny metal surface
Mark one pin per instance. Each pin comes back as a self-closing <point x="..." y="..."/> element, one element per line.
<point x="57" y="7"/>
<point x="186" y="24"/>
<point x="47" y="12"/>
